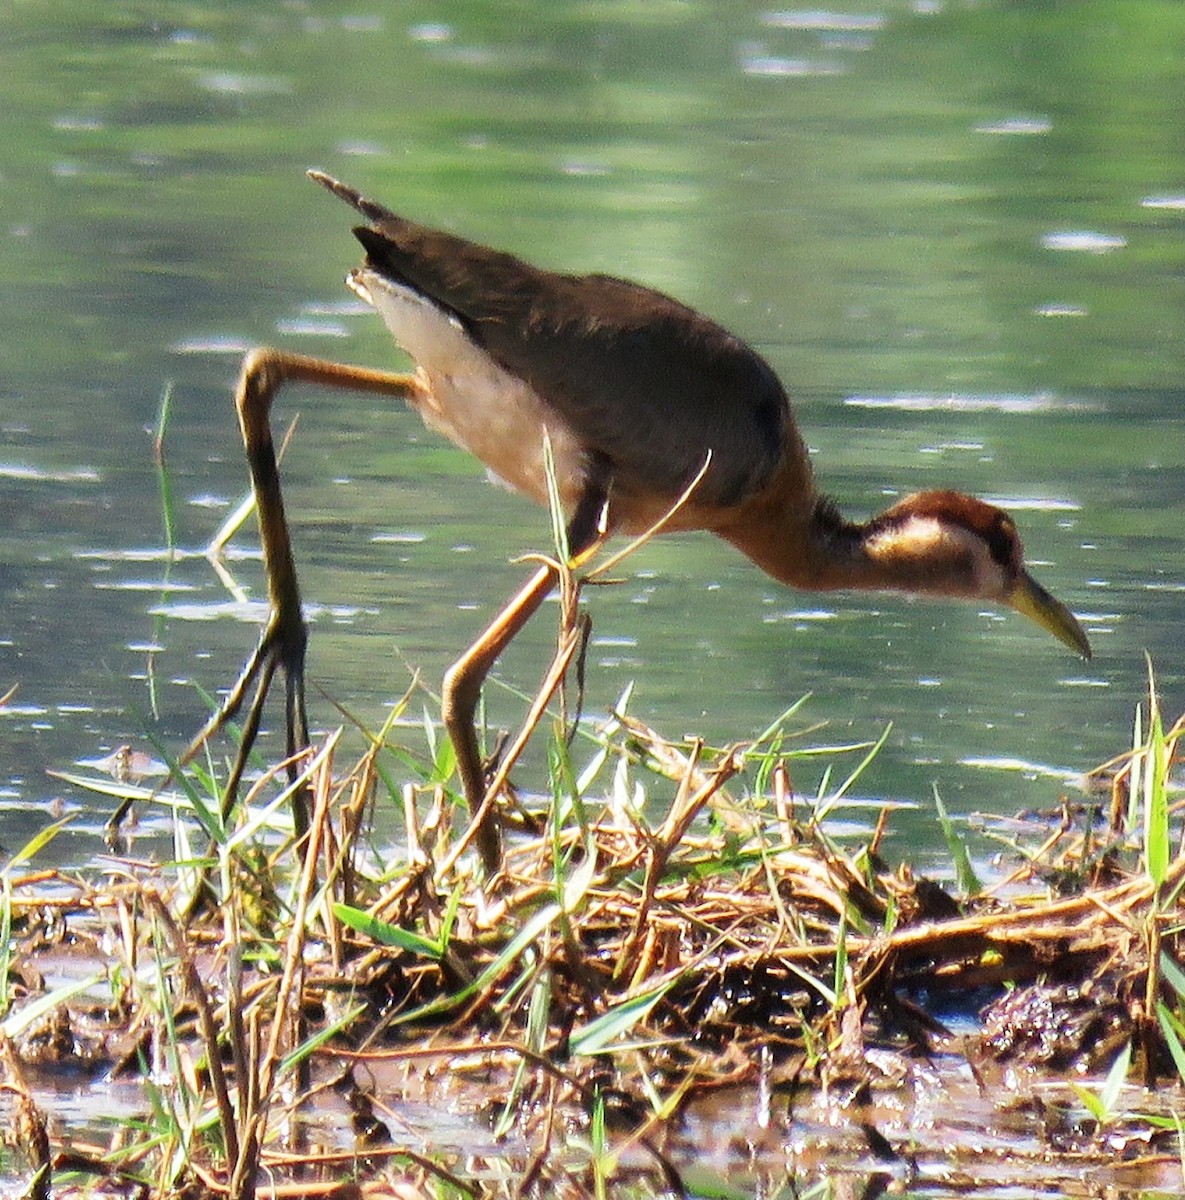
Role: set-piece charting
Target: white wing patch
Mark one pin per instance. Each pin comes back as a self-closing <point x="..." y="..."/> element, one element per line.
<point x="471" y="399"/>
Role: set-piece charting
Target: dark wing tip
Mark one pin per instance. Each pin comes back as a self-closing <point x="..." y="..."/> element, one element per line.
<point x="353" y="197"/>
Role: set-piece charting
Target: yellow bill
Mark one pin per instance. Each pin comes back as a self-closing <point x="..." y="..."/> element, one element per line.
<point x="1030" y="598"/>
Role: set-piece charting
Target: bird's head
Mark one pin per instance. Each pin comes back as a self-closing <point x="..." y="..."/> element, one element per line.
<point x="946" y="543"/>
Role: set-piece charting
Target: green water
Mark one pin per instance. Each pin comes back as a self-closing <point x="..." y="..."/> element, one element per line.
<point x="956" y="230"/>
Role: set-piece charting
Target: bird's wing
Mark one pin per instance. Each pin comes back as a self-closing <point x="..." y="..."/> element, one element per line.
<point x="645" y="383"/>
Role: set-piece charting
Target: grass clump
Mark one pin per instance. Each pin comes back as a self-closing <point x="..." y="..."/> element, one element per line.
<point x="669" y="920"/>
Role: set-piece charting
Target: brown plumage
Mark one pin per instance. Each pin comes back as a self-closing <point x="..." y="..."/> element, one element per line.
<point x="646" y="388"/>
<point x="635" y="393"/>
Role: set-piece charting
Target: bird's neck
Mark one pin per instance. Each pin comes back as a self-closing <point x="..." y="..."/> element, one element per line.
<point x="809" y="547"/>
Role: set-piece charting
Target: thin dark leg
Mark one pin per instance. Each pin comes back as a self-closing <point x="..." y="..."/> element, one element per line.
<point x="284" y="639"/>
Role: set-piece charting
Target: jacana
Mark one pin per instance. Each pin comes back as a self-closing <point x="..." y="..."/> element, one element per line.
<point x="637" y="395"/>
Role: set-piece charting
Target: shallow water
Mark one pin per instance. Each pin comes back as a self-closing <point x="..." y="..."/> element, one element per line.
<point x="955" y="230"/>
<point x="928" y="1128"/>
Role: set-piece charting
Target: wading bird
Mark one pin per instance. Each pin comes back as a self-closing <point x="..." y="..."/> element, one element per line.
<point x="637" y="395"/>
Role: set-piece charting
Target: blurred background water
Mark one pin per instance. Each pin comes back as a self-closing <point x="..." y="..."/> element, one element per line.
<point x="956" y="229"/>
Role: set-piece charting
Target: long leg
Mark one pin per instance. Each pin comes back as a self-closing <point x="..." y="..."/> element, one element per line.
<point x="463" y="680"/>
<point x="284" y="638"/>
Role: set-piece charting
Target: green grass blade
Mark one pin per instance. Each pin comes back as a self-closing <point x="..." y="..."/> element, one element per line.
<point x="1172" y="974"/>
<point x="969" y="883"/>
<point x="167" y="499"/>
<point x="538" y="1011"/>
<point x="828" y="806"/>
<point x="318" y="1039"/>
<point x="839" y="974"/>
<point x="1116" y="1078"/>
<point x="15" y="1023"/>
<point x="600" y="1033"/>
<point x="1090" y="1100"/>
<point x="1157" y="851"/>
<point x="386" y="934"/>
<point x="35" y="844"/>
<point x="775" y="726"/>
<point x="530" y="932"/>
<point x="1171" y="1028"/>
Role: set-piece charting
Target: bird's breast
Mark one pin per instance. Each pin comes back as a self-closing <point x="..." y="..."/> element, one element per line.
<point x="474" y="401"/>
